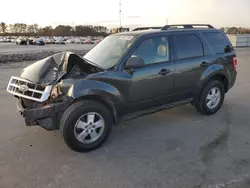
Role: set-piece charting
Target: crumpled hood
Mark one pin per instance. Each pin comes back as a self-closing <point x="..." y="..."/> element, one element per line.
<point x="42" y="71"/>
<point x="49" y="70"/>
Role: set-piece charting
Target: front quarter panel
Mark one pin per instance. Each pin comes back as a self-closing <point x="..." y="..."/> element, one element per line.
<point x="81" y="88"/>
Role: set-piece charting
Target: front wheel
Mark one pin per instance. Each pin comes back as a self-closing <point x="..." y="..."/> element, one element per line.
<point x="86" y="125"/>
<point x="211" y="98"/>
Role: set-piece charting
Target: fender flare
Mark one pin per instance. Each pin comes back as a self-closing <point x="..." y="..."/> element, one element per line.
<point x="213" y="71"/>
<point x="94" y="90"/>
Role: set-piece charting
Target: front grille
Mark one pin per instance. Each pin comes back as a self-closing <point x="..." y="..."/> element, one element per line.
<point x="28" y="90"/>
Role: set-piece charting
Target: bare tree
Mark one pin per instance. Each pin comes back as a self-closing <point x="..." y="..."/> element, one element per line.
<point x="23" y="28"/>
<point x="3" y="27"/>
<point x="36" y="28"/>
<point x="10" y="29"/>
<point x="30" y="30"/>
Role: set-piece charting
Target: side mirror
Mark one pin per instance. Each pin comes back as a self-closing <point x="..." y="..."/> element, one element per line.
<point x="135" y="61"/>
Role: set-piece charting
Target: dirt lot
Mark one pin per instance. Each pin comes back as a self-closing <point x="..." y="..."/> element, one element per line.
<point x="177" y="148"/>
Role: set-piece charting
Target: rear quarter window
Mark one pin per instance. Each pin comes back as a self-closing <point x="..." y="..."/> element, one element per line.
<point x="218" y="42"/>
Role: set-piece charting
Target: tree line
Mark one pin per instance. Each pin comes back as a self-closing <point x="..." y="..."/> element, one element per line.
<point x="22" y="29"/>
<point x="236" y="30"/>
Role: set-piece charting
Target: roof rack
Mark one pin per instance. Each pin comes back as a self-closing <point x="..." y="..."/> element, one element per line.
<point x="186" y="26"/>
<point x="145" y="28"/>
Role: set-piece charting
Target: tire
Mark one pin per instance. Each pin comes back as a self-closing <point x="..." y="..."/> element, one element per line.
<point x="202" y="103"/>
<point x="71" y="118"/>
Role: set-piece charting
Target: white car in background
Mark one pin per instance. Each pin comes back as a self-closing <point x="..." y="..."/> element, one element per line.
<point x="60" y="41"/>
<point x="78" y="41"/>
<point x="47" y="41"/>
<point x="69" y="41"/>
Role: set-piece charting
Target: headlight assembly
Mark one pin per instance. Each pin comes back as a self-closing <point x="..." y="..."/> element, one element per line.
<point x="55" y="92"/>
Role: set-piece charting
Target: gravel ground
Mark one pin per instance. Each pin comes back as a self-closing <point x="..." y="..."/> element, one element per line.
<point x="13" y="53"/>
<point x="32" y="57"/>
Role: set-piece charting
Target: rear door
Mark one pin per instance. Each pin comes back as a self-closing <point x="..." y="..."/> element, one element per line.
<point x="191" y="58"/>
<point x="222" y="48"/>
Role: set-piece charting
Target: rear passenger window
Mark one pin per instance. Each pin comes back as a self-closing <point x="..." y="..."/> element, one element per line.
<point x="188" y="46"/>
<point x="218" y="42"/>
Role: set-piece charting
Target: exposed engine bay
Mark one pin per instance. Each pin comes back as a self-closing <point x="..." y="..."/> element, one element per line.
<point x="76" y="72"/>
<point x="59" y="66"/>
<point x="79" y="68"/>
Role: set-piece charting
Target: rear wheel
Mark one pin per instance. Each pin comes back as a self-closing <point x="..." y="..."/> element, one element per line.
<point x="86" y="125"/>
<point x="211" y="98"/>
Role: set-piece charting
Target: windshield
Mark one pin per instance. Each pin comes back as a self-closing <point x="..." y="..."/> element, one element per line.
<point x="108" y="52"/>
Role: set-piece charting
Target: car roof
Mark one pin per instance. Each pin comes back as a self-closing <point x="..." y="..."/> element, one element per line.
<point x="158" y="31"/>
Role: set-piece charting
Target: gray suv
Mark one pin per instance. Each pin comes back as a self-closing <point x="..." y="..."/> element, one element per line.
<point x="125" y="76"/>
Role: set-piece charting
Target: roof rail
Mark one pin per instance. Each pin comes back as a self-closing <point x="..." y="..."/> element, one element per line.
<point x="145" y="28"/>
<point x="186" y="26"/>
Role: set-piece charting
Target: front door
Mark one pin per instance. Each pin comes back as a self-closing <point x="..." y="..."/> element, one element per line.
<point x="152" y="84"/>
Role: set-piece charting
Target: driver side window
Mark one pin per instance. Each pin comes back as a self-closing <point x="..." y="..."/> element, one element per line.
<point x="153" y="50"/>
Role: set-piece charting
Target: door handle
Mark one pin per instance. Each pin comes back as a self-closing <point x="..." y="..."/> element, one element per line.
<point x="164" y="72"/>
<point x="204" y="64"/>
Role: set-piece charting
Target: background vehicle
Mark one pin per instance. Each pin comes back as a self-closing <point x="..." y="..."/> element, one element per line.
<point x="60" y="41"/>
<point x="78" y="41"/>
<point x="87" y="41"/>
<point x="125" y="76"/>
<point x="21" y="41"/>
<point x="70" y="41"/>
<point x="40" y="42"/>
<point x="119" y="30"/>
<point x="6" y="39"/>
<point x="31" y="42"/>
<point x="96" y="41"/>
<point x="47" y="41"/>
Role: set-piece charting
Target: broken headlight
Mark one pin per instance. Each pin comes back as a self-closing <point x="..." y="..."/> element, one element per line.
<point x="55" y="91"/>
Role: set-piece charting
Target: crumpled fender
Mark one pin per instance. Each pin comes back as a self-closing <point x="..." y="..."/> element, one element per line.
<point x="77" y="88"/>
<point x="81" y="88"/>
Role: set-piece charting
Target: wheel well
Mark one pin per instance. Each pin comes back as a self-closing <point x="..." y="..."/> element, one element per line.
<point x="219" y="77"/>
<point x="222" y="79"/>
<point x="102" y="101"/>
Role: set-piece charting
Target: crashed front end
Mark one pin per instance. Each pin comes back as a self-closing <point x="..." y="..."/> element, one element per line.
<point x="35" y="103"/>
<point x="40" y="98"/>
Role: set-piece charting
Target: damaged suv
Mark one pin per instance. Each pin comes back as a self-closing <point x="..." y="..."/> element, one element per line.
<point x="125" y="76"/>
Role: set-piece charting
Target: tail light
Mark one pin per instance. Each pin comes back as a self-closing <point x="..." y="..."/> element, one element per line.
<point x="235" y="62"/>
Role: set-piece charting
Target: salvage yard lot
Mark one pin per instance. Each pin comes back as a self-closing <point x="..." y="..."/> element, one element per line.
<point x="176" y="148"/>
<point x="10" y="48"/>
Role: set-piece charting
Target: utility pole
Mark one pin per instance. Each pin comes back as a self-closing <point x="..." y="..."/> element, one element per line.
<point x="120" y="12"/>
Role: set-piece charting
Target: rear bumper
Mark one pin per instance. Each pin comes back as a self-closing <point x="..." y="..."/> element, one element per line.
<point x="47" y="116"/>
<point x="233" y="78"/>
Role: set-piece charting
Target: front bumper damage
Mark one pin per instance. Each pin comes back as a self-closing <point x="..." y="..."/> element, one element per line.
<point x="37" y="111"/>
<point x="47" y="116"/>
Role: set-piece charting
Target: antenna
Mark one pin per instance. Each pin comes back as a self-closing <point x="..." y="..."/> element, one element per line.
<point x="120" y="12"/>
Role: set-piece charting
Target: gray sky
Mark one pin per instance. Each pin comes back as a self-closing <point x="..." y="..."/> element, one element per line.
<point x="106" y="12"/>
